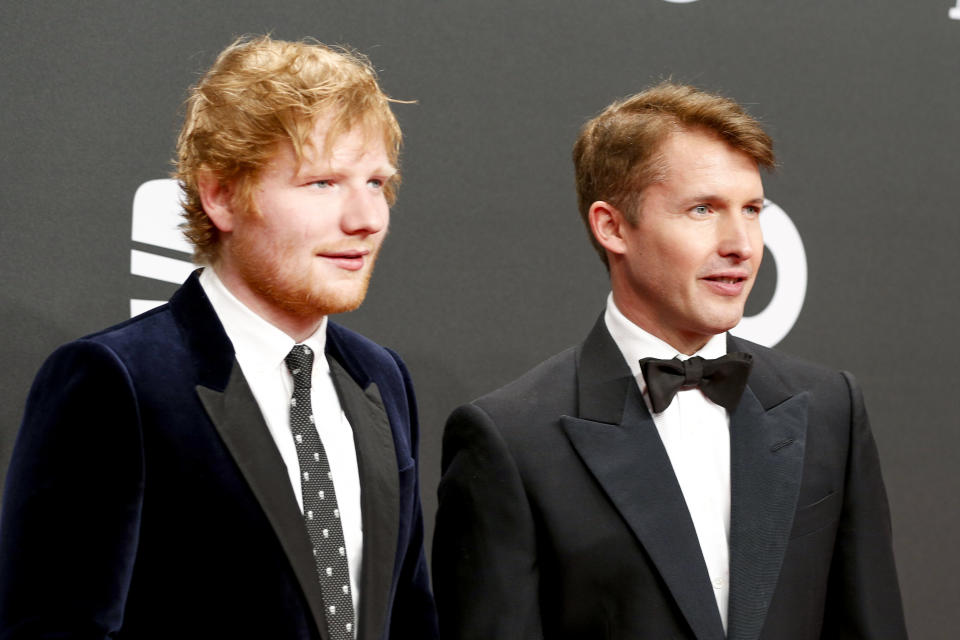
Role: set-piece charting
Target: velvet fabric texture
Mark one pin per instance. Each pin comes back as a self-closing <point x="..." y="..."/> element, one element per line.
<point x="146" y="499"/>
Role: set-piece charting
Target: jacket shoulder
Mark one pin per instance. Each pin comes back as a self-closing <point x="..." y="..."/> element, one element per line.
<point x="549" y="385"/>
<point x="120" y="342"/>
<point x="788" y="373"/>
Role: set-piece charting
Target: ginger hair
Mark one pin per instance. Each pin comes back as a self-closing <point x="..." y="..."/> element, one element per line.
<point x="261" y="93"/>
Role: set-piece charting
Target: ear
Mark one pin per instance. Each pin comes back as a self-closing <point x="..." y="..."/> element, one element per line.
<point x="217" y="201"/>
<point x="606" y="224"/>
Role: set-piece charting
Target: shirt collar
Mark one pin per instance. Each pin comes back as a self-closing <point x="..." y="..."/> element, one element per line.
<point x="256" y="342"/>
<point x="635" y="343"/>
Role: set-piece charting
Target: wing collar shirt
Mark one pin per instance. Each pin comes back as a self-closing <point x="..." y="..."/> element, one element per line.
<point x="696" y="434"/>
<point x="260" y="349"/>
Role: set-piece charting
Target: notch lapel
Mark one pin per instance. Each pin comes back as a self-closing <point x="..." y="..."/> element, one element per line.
<point x="767" y="446"/>
<point x="236" y="416"/>
<point x="618" y="441"/>
<point x="379" y="497"/>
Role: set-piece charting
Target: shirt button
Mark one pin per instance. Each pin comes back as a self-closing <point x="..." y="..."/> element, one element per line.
<point x="718" y="583"/>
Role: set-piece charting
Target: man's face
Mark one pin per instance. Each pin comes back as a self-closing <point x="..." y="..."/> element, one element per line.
<point x="308" y="248"/>
<point x="693" y="255"/>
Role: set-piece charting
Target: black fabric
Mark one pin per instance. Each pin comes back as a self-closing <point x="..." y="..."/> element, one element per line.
<point x="560" y="517"/>
<point x="722" y="379"/>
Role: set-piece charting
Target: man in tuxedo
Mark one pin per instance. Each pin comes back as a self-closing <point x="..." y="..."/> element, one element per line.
<point x="233" y="464"/>
<point x="665" y="479"/>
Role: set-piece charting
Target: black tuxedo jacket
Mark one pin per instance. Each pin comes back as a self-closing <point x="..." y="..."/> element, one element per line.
<point x="560" y="515"/>
<point x="147" y="499"/>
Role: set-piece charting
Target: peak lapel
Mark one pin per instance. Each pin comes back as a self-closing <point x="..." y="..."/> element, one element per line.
<point x="379" y="497"/>
<point x="618" y="441"/>
<point x="236" y="416"/>
<point x="766" y="464"/>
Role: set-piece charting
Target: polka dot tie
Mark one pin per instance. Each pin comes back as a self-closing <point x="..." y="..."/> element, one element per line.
<point x="320" y="512"/>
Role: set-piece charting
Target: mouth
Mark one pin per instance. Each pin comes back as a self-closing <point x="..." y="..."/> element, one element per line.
<point x="726" y="279"/>
<point x="727" y="284"/>
<point x="350" y="260"/>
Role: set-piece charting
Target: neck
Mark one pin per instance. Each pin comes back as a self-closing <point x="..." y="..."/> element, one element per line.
<point x="298" y="326"/>
<point x="633" y="310"/>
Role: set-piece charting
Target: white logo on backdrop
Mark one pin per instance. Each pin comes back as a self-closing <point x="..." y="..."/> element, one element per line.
<point x="784" y="245"/>
<point x="156" y="216"/>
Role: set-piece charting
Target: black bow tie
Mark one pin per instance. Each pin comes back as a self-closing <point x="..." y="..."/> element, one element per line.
<point x="722" y="380"/>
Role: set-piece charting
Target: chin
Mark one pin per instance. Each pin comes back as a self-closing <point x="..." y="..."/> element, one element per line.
<point x="727" y="326"/>
<point x="329" y="301"/>
<point x="332" y="307"/>
<point x="721" y="323"/>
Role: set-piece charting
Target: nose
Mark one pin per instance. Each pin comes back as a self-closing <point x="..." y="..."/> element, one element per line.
<point x="365" y="212"/>
<point x="740" y="237"/>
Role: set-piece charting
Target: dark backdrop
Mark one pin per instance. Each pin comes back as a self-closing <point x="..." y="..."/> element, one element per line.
<point x="488" y="269"/>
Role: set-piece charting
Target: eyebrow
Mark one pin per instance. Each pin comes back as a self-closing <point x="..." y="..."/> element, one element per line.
<point x="310" y="170"/>
<point x="760" y="200"/>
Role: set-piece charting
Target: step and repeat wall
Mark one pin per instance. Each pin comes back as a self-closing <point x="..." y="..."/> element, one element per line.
<point x="488" y="269"/>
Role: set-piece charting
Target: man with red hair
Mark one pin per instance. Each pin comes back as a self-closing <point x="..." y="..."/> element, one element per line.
<point x="233" y="464"/>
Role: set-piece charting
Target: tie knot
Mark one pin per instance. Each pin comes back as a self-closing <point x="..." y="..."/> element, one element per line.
<point x="722" y="380"/>
<point x="692" y="371"/>
<point x="300" y="363"/>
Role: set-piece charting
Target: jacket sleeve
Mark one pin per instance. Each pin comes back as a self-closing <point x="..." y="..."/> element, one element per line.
<point x="414" y="614"/>
<point x="863" y="596"/>
<point x="72" y="503"/>
<point x="484" y="547"/>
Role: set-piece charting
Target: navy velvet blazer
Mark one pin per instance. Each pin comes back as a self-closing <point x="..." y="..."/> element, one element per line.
<point x="560" y="515"/>
<point x="146" y="498"/>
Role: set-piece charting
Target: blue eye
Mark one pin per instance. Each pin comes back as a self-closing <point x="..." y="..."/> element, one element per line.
<point x="701" y="209"/>
<point x="375" y="182"/>
<point x="321" y="184"/>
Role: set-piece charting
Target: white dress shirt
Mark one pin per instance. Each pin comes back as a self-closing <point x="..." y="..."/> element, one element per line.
<point x="696" y="434"/>
<point x="260" y="349"/>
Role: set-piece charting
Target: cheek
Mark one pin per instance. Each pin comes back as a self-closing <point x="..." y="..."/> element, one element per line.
<point x="379" y="210"/>
<point x="680" y="260"/>
<point x="756" y="241"/>
<point x="279" y="240"/>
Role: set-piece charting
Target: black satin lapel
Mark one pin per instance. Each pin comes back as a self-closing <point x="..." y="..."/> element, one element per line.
<point x="379" y="497"/>
<point x="631" y="464"/>
<point x="766" y="464"/>
<point x="237" y="418"/>
<point x="603" y="377"/>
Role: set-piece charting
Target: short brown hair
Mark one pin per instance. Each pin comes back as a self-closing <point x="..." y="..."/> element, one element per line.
<point x="259" y="93"/>
<point x="617" y="154"/>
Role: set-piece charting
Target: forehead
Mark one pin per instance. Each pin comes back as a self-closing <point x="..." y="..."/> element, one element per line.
<point x="349" y="153"/>
<point x="701" y="155"/>
<point x="327" y="143"/>
<point x="323" y="149"/>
